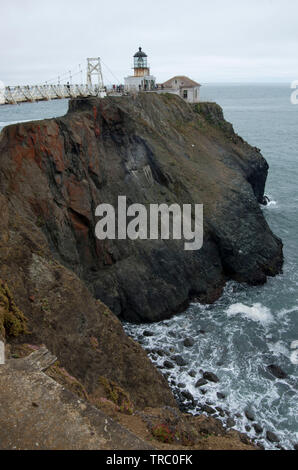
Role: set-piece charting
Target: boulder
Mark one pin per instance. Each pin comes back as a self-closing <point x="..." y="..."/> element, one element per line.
<point x="272" y="437"/>
<point x="201" y="383"/>
<point x="211" y="377"/>
<point x="249" y="414"/>
<point x="277" y="371"/>
<point x="188" y="342"/>
<point x="179" y="360"/>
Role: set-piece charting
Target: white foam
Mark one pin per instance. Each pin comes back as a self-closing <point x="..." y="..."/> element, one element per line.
<point x="285" y="311"/>
<point x="294" y="354"/>
<point x="272" y="203"/>
<point x="257" y="312"/>
<point x="278" y="348"/>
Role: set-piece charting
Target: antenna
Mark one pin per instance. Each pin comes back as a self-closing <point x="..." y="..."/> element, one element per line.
<point x="94" y="68"/>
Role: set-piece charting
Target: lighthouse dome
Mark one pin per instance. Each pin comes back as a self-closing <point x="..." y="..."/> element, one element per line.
<point x="140" y="53"/>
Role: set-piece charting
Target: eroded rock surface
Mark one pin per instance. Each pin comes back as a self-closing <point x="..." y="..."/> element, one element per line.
<point x="152" y="149"/>
<point x="37" y="413"/>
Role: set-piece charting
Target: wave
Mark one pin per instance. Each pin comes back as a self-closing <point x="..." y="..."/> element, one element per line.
<point x="257" y="312"/>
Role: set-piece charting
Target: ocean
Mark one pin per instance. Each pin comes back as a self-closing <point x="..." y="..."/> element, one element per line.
<point x="248" y="328"/>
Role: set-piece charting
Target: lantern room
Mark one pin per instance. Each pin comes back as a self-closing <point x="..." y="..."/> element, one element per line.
<point x="140" y="64"/>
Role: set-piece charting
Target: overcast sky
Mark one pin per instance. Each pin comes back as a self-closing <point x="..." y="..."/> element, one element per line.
<point x="208" y="40"/>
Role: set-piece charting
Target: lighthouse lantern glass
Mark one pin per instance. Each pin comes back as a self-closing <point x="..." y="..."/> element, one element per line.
<point x="140" y="62"/>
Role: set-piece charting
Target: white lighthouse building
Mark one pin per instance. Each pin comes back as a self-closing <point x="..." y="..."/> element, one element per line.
<point x="141" y="80"/>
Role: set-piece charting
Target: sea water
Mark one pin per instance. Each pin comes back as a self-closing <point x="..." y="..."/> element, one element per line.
<point x="248" y="328"/>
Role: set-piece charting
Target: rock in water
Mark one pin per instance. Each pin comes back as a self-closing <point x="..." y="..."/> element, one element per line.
<point x="277" y="371"/>
<point x="201" y="383"/>
<point x="179" y="360"/>
<point x="258" y="428"/>
<point x="188" y="342"/>
<point x="56" y="172"/>
<point x="211" y="377"/>
<point x="249" y="414"/>
<point x="272" y="437"/>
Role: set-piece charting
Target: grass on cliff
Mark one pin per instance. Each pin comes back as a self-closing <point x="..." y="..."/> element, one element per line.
<point x="13" y="323"/>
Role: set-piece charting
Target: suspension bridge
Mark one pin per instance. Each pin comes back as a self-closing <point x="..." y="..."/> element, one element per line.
<point x="45" y="92"/>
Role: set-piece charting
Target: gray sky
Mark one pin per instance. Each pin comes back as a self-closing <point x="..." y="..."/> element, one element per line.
<point x="208" y="40"/>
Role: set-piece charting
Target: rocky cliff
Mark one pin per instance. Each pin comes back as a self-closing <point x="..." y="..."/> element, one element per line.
<point x="60" y="286"/>
<point x="152" y="149"/>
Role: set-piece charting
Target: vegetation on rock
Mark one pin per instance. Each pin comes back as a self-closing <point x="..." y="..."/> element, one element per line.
<point x="12" y="321"/>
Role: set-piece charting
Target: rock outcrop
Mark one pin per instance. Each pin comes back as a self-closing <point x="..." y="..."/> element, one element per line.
<point x="37" y="413"/>
<point x="45" y="303"/>
<point x="152" y="149"/>
<point x="60" y="286"/>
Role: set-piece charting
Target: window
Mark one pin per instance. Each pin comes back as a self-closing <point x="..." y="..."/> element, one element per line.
<point x="185" y="94"/>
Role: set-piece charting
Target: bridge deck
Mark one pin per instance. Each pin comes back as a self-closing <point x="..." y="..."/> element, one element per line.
<point x="22" y="94"/>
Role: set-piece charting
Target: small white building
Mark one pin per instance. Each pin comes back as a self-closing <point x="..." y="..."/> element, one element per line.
<point x="183" y="86"/>
<point x="141" y="80"/>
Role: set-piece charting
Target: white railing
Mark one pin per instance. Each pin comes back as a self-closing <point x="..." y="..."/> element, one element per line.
<point x="21" y="94"/>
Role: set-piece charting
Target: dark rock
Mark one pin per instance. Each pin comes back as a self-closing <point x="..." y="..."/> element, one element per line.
<point x="249" y="414"/>
<point x="55" y="172"/>
<point x="201" y="383"/>
<point x="265" y="201"/>
<point x="271" y="437"/>
<point x="203" y="391"/>
<point x="220" y="411"/>
<point x="211" y="377"/>
<point x="168" y="365"/>
<point x="148" y="333"/>
<point x="179" y="360"/>
<point x="221" y="395"/>
<point x="181" y="385"/>
<point x="111" y="140"/>
<point x="247" y="428"/>
<point x="277" y="371"/>
<point x="202" y="332"/>
<point x="188" y="342"/>
<point x="231" y="422"/>
<point x="192" y="373"/>
<point x="208" y="409"/>
<point x="258" y="429"/>
<point x="186" y="394"/>
<point x="159" y="352"/>
<point x="295" y="446"/>
<point x="172" y="333"/>
<point x="244" y="438"/>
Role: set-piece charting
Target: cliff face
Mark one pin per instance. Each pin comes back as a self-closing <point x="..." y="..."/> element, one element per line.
<point x="42" y="302"/>
<point x="151" y="149"/>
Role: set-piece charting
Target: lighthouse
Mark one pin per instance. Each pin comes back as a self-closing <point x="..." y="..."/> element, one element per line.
<point x="141" y="80"/>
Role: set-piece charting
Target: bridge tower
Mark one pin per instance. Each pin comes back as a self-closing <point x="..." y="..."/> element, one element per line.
<point x="94" y="69"/>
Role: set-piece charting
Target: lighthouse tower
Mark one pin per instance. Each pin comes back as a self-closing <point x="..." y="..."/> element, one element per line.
<point x="141" y="68"/>
<point x="141" y="80"/>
